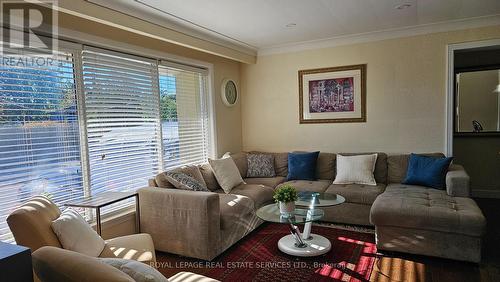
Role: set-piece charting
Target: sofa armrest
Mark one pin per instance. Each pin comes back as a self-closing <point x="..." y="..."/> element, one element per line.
<point x="137" y="247"/>
<point x="457" y="181"/>
<point x="181" y="222"/>
<point x="55" y="264"/>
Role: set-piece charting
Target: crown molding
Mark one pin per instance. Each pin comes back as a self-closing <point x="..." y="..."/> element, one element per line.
<point x="114" y="18"/>
<point x="178" y="24"/>
<point x="382" y="35"/>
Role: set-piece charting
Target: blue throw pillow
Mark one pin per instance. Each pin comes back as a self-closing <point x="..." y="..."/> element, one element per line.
<point x="302" y="166"/>
<point x="427" y="171"/>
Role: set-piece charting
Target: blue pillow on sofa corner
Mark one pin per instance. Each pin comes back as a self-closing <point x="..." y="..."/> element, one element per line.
<point x="302" y="166"/>
<point x="427" y="171"/>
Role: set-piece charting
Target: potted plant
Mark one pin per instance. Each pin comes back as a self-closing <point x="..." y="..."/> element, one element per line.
<point x="286" y="196"/>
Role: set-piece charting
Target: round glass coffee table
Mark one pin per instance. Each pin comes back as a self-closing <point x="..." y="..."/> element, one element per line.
<point x="303" y="244"/>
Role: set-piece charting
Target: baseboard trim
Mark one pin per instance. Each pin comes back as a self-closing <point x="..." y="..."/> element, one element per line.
<point x="483" y="193"/>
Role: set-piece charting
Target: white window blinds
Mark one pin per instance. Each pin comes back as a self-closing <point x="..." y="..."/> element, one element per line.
<point x="39" y="131"/>
<point x="184" y="115"/>
<point x="122" y="119"/>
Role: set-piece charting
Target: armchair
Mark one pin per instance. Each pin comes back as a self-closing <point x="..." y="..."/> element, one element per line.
<point x="31" y="226"/>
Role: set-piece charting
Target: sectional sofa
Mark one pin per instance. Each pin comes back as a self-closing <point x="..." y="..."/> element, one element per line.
<point x="411" y="219"/>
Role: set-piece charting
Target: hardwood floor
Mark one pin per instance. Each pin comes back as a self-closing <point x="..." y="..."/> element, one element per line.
<point x="401" y="267"/>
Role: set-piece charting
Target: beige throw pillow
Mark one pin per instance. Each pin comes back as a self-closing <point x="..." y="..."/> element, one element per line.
<point x="356" y="169"/>
<point x="75" y="234"/>
<point x="139" y="271"/>
<point x="226" y="172"/>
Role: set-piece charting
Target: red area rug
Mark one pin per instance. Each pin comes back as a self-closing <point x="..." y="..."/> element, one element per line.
<point x="257" y="258"/>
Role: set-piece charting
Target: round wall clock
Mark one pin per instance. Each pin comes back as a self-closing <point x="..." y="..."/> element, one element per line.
<point x="229" y="92"/>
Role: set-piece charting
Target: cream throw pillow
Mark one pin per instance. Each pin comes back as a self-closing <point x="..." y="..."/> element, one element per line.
<point x="75" y="234"/>
<point x="139" y="271"/>
<point x="356" y="169"/>
<point x="226" y="172"/>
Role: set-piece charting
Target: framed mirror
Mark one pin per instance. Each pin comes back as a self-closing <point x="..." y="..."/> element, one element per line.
<point x="478" y="101"/>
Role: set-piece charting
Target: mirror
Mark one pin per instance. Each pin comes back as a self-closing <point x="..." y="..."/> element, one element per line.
<point x="478" y="101"/>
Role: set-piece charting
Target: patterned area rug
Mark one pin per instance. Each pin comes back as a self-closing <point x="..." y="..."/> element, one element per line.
<point x="257" y="258"/>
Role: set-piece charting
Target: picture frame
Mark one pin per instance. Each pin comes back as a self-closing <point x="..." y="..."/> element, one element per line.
<point x="332" y="95"/>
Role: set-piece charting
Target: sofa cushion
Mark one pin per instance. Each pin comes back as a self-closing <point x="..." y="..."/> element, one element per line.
<point x="397" y="166"/>
<point x="226" y="173"/>
<point x="185" y="182"/>
<point x="308" y="185"/>
<point x="191" y="170"/>
<point x="75" y="234"/>
<point x="260" y="165"/>
<point x="302" y="166"/>
<point x="267" y="181"/>
<point x="427" y="171"/>
<point x="356" y="169"/>
<point x="325" y="166"/>
<point x="139" y="271"/>
<point x="260" y="194"/>
<point x="357" y="193"/>
<point x="232" y="207"/>
<point x="162" y="181"/>
<point x="380" y="172"/>
<point x="280" y="162"/>
<point x="209" y="177"/>
<point x="240" y="159"/>
<point x="428" y="209"/>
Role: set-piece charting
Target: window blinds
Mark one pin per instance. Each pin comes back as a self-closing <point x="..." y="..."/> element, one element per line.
<point x="86" y="121"/>
<point x="184" y="115"/>
<point x="39" y="131"/>
<point x="122" y="119"/>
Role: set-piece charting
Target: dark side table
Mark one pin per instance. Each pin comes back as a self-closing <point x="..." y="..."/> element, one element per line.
<point x="15" y="263"/>
<point x="105" y="199"/>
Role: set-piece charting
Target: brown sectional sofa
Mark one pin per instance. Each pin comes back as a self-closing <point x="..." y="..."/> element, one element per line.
<point x="204" y="224"/>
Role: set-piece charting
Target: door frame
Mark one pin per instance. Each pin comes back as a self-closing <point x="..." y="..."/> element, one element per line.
<point x="450" y="87"/>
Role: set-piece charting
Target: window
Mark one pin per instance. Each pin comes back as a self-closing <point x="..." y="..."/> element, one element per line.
<point x="89" y="120"/>
<point x="121" y="113"/>
<point x="184" y="115"/>
<point x="39" y="131"/>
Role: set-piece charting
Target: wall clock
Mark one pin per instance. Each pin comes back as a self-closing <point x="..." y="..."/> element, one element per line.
<point x="229" y="92"/>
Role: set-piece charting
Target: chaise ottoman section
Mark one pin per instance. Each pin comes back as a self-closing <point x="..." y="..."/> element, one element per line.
<point x="428" y="221"/>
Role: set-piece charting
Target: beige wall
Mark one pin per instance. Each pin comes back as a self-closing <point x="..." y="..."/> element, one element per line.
<point x="228" y="120"/>
<point x="406" y="81"/>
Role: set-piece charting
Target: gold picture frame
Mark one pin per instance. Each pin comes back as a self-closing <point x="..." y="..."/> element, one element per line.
<point x="332" y="95"/>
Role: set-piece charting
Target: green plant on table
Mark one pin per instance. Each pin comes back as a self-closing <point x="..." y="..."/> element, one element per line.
<point x="286" y="193"/>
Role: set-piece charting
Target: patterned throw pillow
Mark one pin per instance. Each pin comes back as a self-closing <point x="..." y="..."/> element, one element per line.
<point x="185" y="182"/>
<point x="260" y="165"/>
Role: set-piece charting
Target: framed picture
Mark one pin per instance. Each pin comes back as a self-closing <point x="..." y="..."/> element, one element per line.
<point x="331" y="95"/>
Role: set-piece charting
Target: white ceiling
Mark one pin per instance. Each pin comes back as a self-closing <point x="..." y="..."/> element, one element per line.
<point x="261" y="24"/>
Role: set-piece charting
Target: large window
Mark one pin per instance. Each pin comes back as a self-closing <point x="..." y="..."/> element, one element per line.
<point x="91" y="120"/>
<point x="39" y="131"/>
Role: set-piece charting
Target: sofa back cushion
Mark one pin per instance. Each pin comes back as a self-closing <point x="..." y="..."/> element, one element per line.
<point x="397" y="166"/>
<point x="209" y="177"/>
<point x="380" y="171"/>
<point x="280" y="162"/>
<point x="325" y="166"/>
<point x="240" y="159"/>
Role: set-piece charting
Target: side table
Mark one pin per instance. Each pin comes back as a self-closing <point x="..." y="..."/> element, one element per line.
<point x="105" y="199"/>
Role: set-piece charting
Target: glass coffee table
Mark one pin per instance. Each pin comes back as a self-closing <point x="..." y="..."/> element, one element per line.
<point x="303" y="244"/>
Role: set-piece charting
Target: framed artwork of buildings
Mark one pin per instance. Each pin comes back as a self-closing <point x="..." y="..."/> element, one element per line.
<point x="336" y="94"/>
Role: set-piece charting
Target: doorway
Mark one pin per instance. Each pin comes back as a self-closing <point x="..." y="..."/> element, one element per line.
<point x="473" y="113"/>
